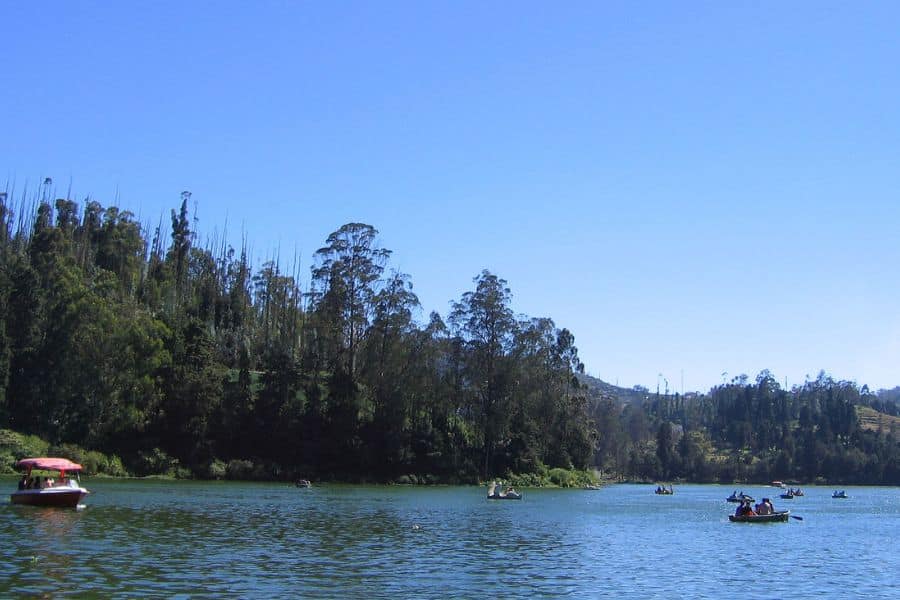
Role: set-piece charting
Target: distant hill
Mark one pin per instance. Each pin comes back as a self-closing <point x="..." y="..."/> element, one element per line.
<point x="873" y="420"/>
<point x="597" y="389"/>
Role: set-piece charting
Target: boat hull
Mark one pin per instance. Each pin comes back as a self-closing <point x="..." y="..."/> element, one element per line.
<point x="62" y="498"/>
<point x="778" y="517"/>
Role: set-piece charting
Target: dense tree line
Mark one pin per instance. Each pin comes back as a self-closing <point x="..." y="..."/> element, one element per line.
<point x="178" y="358"/>
<point x="750" y="431"/>
<point x="182" y="358"/>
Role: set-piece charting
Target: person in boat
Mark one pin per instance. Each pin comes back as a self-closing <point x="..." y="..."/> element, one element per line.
<point x="765" y="507"/>
<point x="744" y="509"/>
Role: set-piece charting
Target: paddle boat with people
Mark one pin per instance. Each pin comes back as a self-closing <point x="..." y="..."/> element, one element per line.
<point x="842" y="494"/>
<point x="43" y="490"/>
<point x="509" y="493"/>
<point x="662" y="490"/>
<point x="742" y="497"/>
<point x="792" y="493"/>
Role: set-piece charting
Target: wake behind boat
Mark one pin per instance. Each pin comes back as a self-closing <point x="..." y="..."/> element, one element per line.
<point x="40" y="490"/>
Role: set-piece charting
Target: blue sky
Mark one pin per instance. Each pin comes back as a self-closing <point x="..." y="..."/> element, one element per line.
<point x="692" y="188"/>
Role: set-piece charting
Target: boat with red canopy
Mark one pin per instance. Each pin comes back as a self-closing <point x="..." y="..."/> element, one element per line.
<point x="35" y="490"/>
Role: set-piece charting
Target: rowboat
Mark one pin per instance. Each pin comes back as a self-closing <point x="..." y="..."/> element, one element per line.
<point x="787" y="496"/>
<point x="65" y="491"/>
<point x="841" y="494"/>
<point x="776" y="517"/>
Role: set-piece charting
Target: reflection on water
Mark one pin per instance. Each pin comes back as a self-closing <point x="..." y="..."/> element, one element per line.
<point x="185" y="538"/>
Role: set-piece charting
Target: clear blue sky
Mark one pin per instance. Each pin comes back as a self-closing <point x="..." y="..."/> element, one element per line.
<point x="689" y="187"/>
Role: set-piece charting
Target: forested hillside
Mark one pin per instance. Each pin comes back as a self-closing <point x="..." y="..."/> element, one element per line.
<point x="185" y="359"/>
<point x="824" y="430"/>
<point x="182" y="358"/>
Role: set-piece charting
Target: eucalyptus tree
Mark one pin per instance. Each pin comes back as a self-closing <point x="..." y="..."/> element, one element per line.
<point x="386" y="349"/>
<point x="387" y="369"/>
<point x="120" y="248"/>
<point x="278" y="305"/>
<point x="345" y="283"/>
<point x="179" y="253"/>
<point x="484" y="320"/>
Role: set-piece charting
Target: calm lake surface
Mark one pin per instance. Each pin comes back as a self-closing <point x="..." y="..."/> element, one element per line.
<point x="187" y="539"/>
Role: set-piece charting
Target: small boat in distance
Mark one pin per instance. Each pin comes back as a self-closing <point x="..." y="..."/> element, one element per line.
<point x="792" y="493"/>
<point x="735" y="497"/>
<point x="36" y="490"/>
<point x="842" y="494"/>
<point x="778" y="484"/>
<point x="592" y="486"/>
<point x="663" y="491"/>
<point x="303" y="483"/>
<point x="509" y="493"/>
<point x="776" y="517"/>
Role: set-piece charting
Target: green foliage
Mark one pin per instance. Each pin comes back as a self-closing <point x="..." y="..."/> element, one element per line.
<point x="18" y="446"/>
<point x="561" y="477"/>
<point x="556" y="477"/>
<point x="216" y="470"/>
<point x="15" y="446"/>
<point x="183" y="360"/>
<point x="750" y="431"/>
<point x="93" y="462"/>
<point x="158" y="462"/>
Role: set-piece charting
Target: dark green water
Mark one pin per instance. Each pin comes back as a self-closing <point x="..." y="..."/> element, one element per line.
<point x="184" y="539"/>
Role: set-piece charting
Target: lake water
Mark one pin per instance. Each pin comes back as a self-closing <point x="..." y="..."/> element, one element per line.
<point x="192" y="539"/>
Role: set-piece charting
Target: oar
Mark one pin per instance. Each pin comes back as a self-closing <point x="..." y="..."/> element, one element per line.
<point x="796" y="517"/>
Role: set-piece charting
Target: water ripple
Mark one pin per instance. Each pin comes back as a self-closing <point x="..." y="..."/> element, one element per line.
<point x="186" y="539"/>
